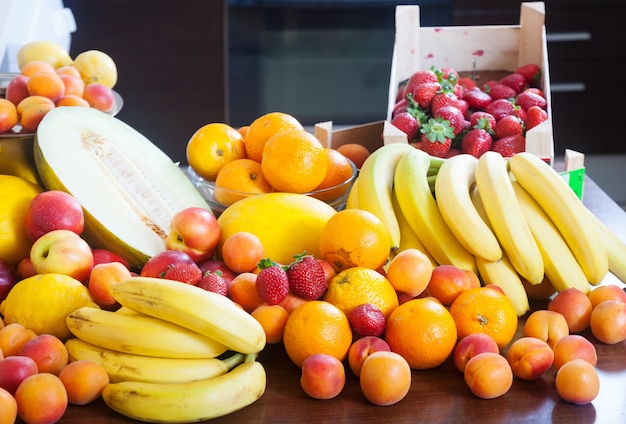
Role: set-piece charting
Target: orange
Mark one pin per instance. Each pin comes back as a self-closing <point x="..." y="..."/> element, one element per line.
<point x="354" y="237"/>
<point x="317" y="327"/>
<point x="483" y="310"/>
<point x="357" y="153"/>
<point x="243" y="130"/>
<point x="213" y="146"/>
<point x="338" y="171"/>
<point x="238" y="179"/>
<point x="422" y="331"/>
<point x="263" y="128"/>
<point x="358" y="285"/>
<point x="294" y="161"/>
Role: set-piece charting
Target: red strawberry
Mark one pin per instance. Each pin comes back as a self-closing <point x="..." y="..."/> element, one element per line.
<point x="188" y="273"/>
<point x="509" y="125"/>
<point x="454" y="116"/>
<point x="214" y="282"/>
<point x="476" y="142"/>
<point x="306" y="277"/>
<point x="535" y="116"/>
<point x="443" y="99"/>
<point x="453" y="152"/>
<point x="407" y="123"/>
<point x="500" y="108"/>
<point x="437" y="135"/>
<point x="508" y="146"/>
<point x="423" y="94"/>
<point x="400" y="106"/>
<point x="476" y="98"/>
<point x="528" y="98"/>
<point x="536" y="91"/>
<point x="501" y="91"/>
<point x="484" y="120"/>
<point x="531" y="73"/>
<point x="420" y="77"/>
<point x="367" y="320"/>
<point x="272" y="283"/>
<point x="516" y="81"/>
<point x="467" y="83"/>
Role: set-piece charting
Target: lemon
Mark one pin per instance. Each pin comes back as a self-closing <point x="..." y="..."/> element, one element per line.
<point x="48" y="51"/>
<point x="15" y="196"/>
<point x="96" y="66"/>
<point x="43" y="301"/>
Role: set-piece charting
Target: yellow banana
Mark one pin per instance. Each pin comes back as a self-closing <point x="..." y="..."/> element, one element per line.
<point x="452" y="190"/>
<point x="566" y="210"/>
<point x="560" y="265"/>
<point x="506" y="217"/>
<point x="615" y="248"/>
<point x="420" y="209"/>
<point x="129" y="367"/>
<point x="188" y="402"/>
<point x="352" y="202"/>
<point x="140" y="335"/>
<point x="376" y="183"/>
<point x="210" y="314"/>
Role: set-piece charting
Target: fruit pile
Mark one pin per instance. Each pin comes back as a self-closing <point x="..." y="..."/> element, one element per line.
<point x="445" y="114"/>
<point x="49" y="78"/>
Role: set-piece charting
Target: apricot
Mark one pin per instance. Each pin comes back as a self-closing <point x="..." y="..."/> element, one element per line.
<point x="546" y="325"/>
<point x="46" y="84"/>
<point x="577" y="381"/>
<point x="32" y="116"/>
<point x="17" y="90"/>
<point x="41" y="399"/>
<point x="292" y="301"/>
<point x="84" y="381"/>
<point x="447" y="282"/>
<point x="410" y="272"/>
<point x="243" y="291"/>
<point x="8" y="407"/>
<point x="73" y="85"/>
<point x="488" y="375"/>
<point x="323" y="376"/>
<point x="608" y="321"/>
<point x="71" y="100"/>
<point x="99" y="96"/>
<point x="13" y="336"/>
<point x="242" y="251"/>
<point x="48" y="352"/>
<point x="575" y="306"/>
<point x="385" y="378"/>
<point x="102" y="277"/>
<point x="14" y="370"/>
<point x="470" y="346"/>
<point x="530" y="357"/>
<point x="32" y="100"/>
<point x="607" y="292"/>
<point x="273" y="319"/>
<point x="574" y="346"/>
<point x="363" y="347"/>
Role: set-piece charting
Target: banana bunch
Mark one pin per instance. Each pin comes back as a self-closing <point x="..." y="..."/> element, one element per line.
<point x="508" y="220"/>
<point x="173" y="352"/>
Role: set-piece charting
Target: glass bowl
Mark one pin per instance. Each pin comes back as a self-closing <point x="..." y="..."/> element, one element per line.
<point x="335" y="196"/>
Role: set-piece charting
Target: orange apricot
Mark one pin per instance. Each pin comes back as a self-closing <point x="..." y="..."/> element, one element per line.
<point x="608" y="321"/>
<point x="410" y="271"/>
<point x="606" y="292"/>
<point x="574" y="346"/>
<point x="546" y="325"/>
<point x="323" y="376"/>
<point x="84" y="381"/>
<point x="577" y="381"/>
<point x="8" y="115"/>
<point x="385" y="378"/>
<point x="273" y="319"/>
<point x="8" y="407"/>
<point x="488" y="375"/>
<point x="575" y="306"/>
<point x="48" y="352"/>
<point x="243" y="291"/>
<point x="71" y="100"/>
<point x="46" y="84"/>
<point x="32" y="116"/>
<point x="35" y="66"/>
<point x="41" y="398"/>
<point x="242" y="251"/>
<point x="12" y="337"/>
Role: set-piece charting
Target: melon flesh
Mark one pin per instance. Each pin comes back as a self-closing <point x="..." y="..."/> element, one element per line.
<point x="128" y="187"/>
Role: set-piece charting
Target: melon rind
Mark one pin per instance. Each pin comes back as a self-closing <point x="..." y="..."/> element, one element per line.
<point x="129" y="189"/>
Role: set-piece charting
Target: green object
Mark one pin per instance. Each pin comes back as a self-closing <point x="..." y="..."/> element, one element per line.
<point x="575" y="179"/>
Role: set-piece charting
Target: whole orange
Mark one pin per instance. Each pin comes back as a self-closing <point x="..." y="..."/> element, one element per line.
<point x="422" y="331"/>
<point x="238" y="179"/>
<point x="317" y="327"/>
<point x="357" y="153"/>
<point x="212" y="146"/>
<point x="358" y="285"/>
<point x="263" y="128"/>
<point x="294" y="161"/>
<point x="484" y="310"/>
<point x="355" y="237"/>
<point x="338" y="171"/>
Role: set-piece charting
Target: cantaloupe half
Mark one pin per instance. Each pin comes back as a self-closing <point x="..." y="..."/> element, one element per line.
<point x="128" y="187"/>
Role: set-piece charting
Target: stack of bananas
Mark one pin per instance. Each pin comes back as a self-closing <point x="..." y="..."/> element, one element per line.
<point x="505" y="219"/>
<point x="174" y="352"/>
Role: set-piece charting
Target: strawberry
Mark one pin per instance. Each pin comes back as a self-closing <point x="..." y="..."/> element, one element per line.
<point x="484" y="120"/>
<point x="516" y="81"/>
<point x="531" y="73"/>
<point x="423" y="94"/>
<point x="272" y="283"/>
<point x="442" y="99"/>
<point x="367" y="320"/>
<point x="508" y="146"/>
<point x="476" y="98"/>
<point x="501" y="91"/>
<point x="509" y="125"/>
<point x="528" y="98"/>
<point x="500" y="108"/>
<point x="406" y="123"/>
<point x="535" y="116"/>
<point x="467" y="83"/>
<point x="437" y="135"/>
<point x="306" y="277"/>
<point x="420" y="77"/>
<point x="454" y="116"/>
<point x="214" y="282"/>
<point x="476" y="142"/>
<point x="188" y="273"/>
<point x="400" y="106"/>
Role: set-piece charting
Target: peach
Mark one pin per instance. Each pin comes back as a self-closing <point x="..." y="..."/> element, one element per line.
<point x="574" y="346"/>
<point x="12" y="337"/>
<point x="99" y="96"/>
<point x="530" y="357"/>
<point x="41" y="399"/>
<point x="323" y="376"/>
<point x="17" y="89"/>
<point x="470" y="346"/>
<point x="608" y="321"/>
<point x="577" y="381"/>
<point x="546" y="325"/>
<point x="102" y="277"/>
<point x="575" y="306"/>
<point x="607" y="292"/>
<point x="8" y="407"/>
<point x="362" y="348"/>
<point x="84" y="381"/>
<point x="410" y="272"/>
<point x="385" y="378"/>
<point x="53" y="210"/>
<point x="14" y="370"/>
<point x="32" y="116"/>
<point x="488" y="375"/>
<point x="48" y="352"/>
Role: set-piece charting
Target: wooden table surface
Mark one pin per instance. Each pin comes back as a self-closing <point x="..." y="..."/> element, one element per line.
<point x="438" y="395"/>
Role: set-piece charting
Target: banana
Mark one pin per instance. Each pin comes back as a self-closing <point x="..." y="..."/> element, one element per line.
<point x="615" y="248"/>
<point x="352" y="202"/>
<point x="560" y="265"/>
<point x="452" y="190"/>
<point x="566" y="210"/>
<point x="128" y="367"/>
<point x="188" y="402"/>
<point x="210" y="314"/>
<point x="506" y="217"/>
<point x="420" y="209"/>
<point x="376" y="183"/>
<point x="140" y="335"/>
<point x="500" y="272"/>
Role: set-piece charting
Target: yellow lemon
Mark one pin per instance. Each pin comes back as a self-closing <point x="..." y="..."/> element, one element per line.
<point x="15" y="197"/>
<point x="42" y="302"/>
<point x="47" y="51"/>
<point x="96" y="66"/>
